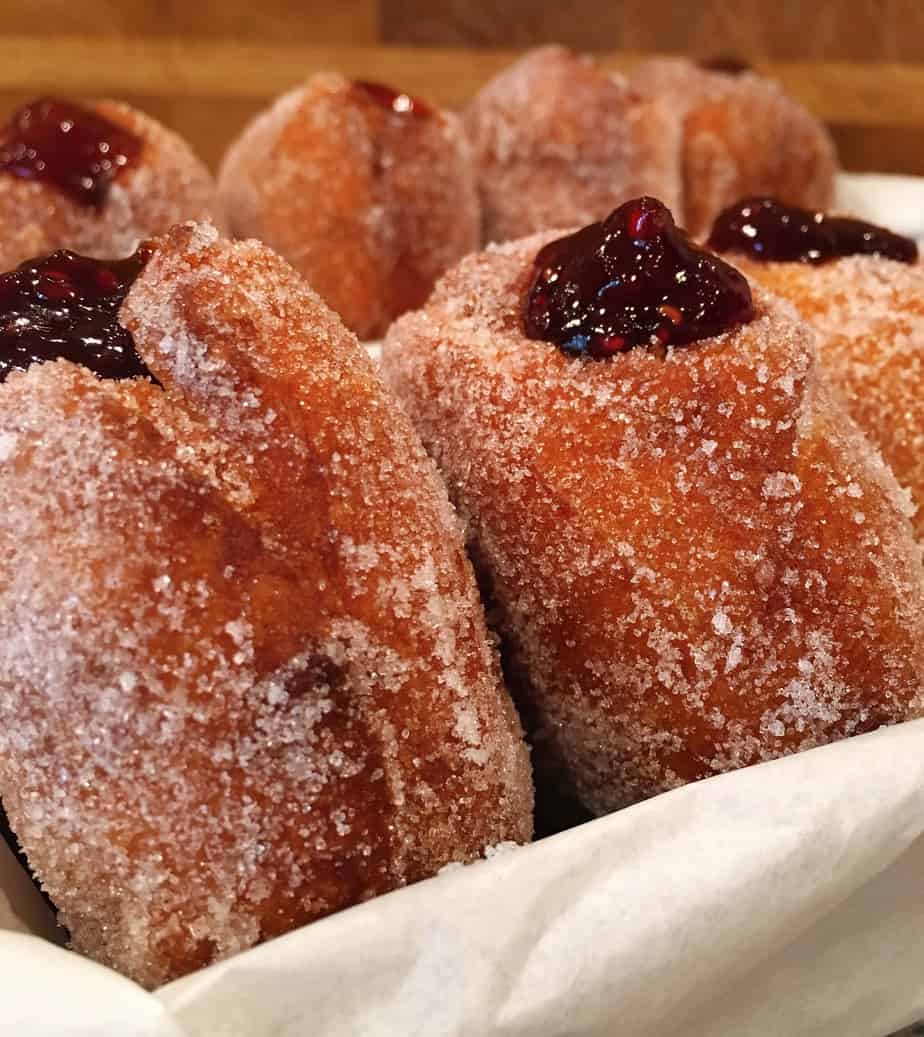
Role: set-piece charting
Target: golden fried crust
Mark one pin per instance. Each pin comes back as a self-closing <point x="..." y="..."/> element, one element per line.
<point x="371" y="208"/>
<point x="741" y="136"/>
<point x="698" y="563"/>
<point x="558" y="141"/>
<point x="165" y="185"/>
<point x="246" y="679"/>
<point x="869" y="316"/>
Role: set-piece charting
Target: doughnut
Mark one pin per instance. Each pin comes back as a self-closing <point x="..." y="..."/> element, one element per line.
<point x="245" y="677"/>
<point x="559" y="142"/>
<point x="696" y="559"/>
<point x="96" y="178"/>
<point x="368" y="192"/>
<point x="862" y="289"/>
<point x="741" y="135"/>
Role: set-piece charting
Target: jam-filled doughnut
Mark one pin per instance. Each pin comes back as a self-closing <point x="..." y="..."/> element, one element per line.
<point x="245" y="678"/>
<point x="96" y="178"/>
<point x="696" y="558"/>
<point x="741" y="135"/>
<point x="367" y="191"/>
<point x="862" y="289"/>
<point x="559" y="142"/>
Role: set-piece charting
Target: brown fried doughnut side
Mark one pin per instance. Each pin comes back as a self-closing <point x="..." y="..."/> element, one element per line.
<point x="869" y="316"/>
<point x="168" y="184"/>
<point x="371" y="207"/>
<point x="162" y="736"/>
<point x="317" y="426"/>
<point x="741" y="136"/>
<point x="698" y="563"/>
<point x="558" y="141"/>
<point x="221" y="722"/>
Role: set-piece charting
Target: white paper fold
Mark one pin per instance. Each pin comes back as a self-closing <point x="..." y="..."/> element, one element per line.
<point x="782" y="899"/>
<point x="50" y="992"/>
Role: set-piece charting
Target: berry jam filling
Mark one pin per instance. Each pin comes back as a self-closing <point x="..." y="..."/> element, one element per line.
<point x="65" y="306"/>
<point x="727" y="65"/>
<point x="76" y="151"/>
<point x="633" y="280"/>
<point x="764" y="228"/>
<point x="387" y="97"/>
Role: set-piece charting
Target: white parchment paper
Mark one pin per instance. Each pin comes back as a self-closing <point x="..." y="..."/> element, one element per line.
<point x="785" y="899"/>
<point x="894" y="201"/>
<point x="782" y="899"/>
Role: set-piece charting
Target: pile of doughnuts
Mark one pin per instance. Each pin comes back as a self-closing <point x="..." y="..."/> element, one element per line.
<point x="246" y="674"/>
<point x="372" y="193"/>
<point x="560" y="142"/>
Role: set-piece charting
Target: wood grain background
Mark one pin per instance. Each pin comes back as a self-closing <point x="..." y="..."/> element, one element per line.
<point x="205" y="68"/>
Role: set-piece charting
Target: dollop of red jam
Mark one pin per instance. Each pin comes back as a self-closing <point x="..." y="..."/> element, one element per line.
<point x="633" y="280"/>
<point x="725" y="64"/>
<point x="764" y="228"/>
<point x="387" y="97"/>
<point x="65" y="306"/>
<point x="74" y="150"/>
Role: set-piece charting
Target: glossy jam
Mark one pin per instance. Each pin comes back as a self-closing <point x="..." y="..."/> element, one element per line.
<point x="65" y="306"/>
<point x="388" y="97"/>
<point x="633" y="280"/>
<point x="74" y="150"/>
<point x="764" y="228"/>
<point x="727" y="65"/>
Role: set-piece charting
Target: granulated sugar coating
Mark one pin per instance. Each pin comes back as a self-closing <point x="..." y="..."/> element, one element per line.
<point x="164" y="185"/>
<point x="741" y="135"/>
<point x="869" y="316"/>
<point x="370" y="201"/>
<point x="246" y="679"/>
<point x="558" y="141"/>
<point x="697" y="562"/>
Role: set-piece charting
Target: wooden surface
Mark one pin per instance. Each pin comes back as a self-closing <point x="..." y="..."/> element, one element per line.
<point x="782" y="30"/>
<point x="204" y="69"/>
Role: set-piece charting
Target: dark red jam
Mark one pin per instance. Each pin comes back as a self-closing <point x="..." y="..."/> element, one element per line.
<point x="764" y="228"/>
<point x="395" y="100"/>
<point x="727" y="65"/>
<point x="65" y="306"/>
<point x="75" y="150"/>
<point x="633" y="280"/>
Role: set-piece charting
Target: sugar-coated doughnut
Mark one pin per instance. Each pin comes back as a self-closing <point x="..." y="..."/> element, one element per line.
<point x="245" y="678"/>
<point x="96" y="178"/>
<point x="368" y="192"/>
<point x="559" y="142"/>
<point x="696" y="559"/>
